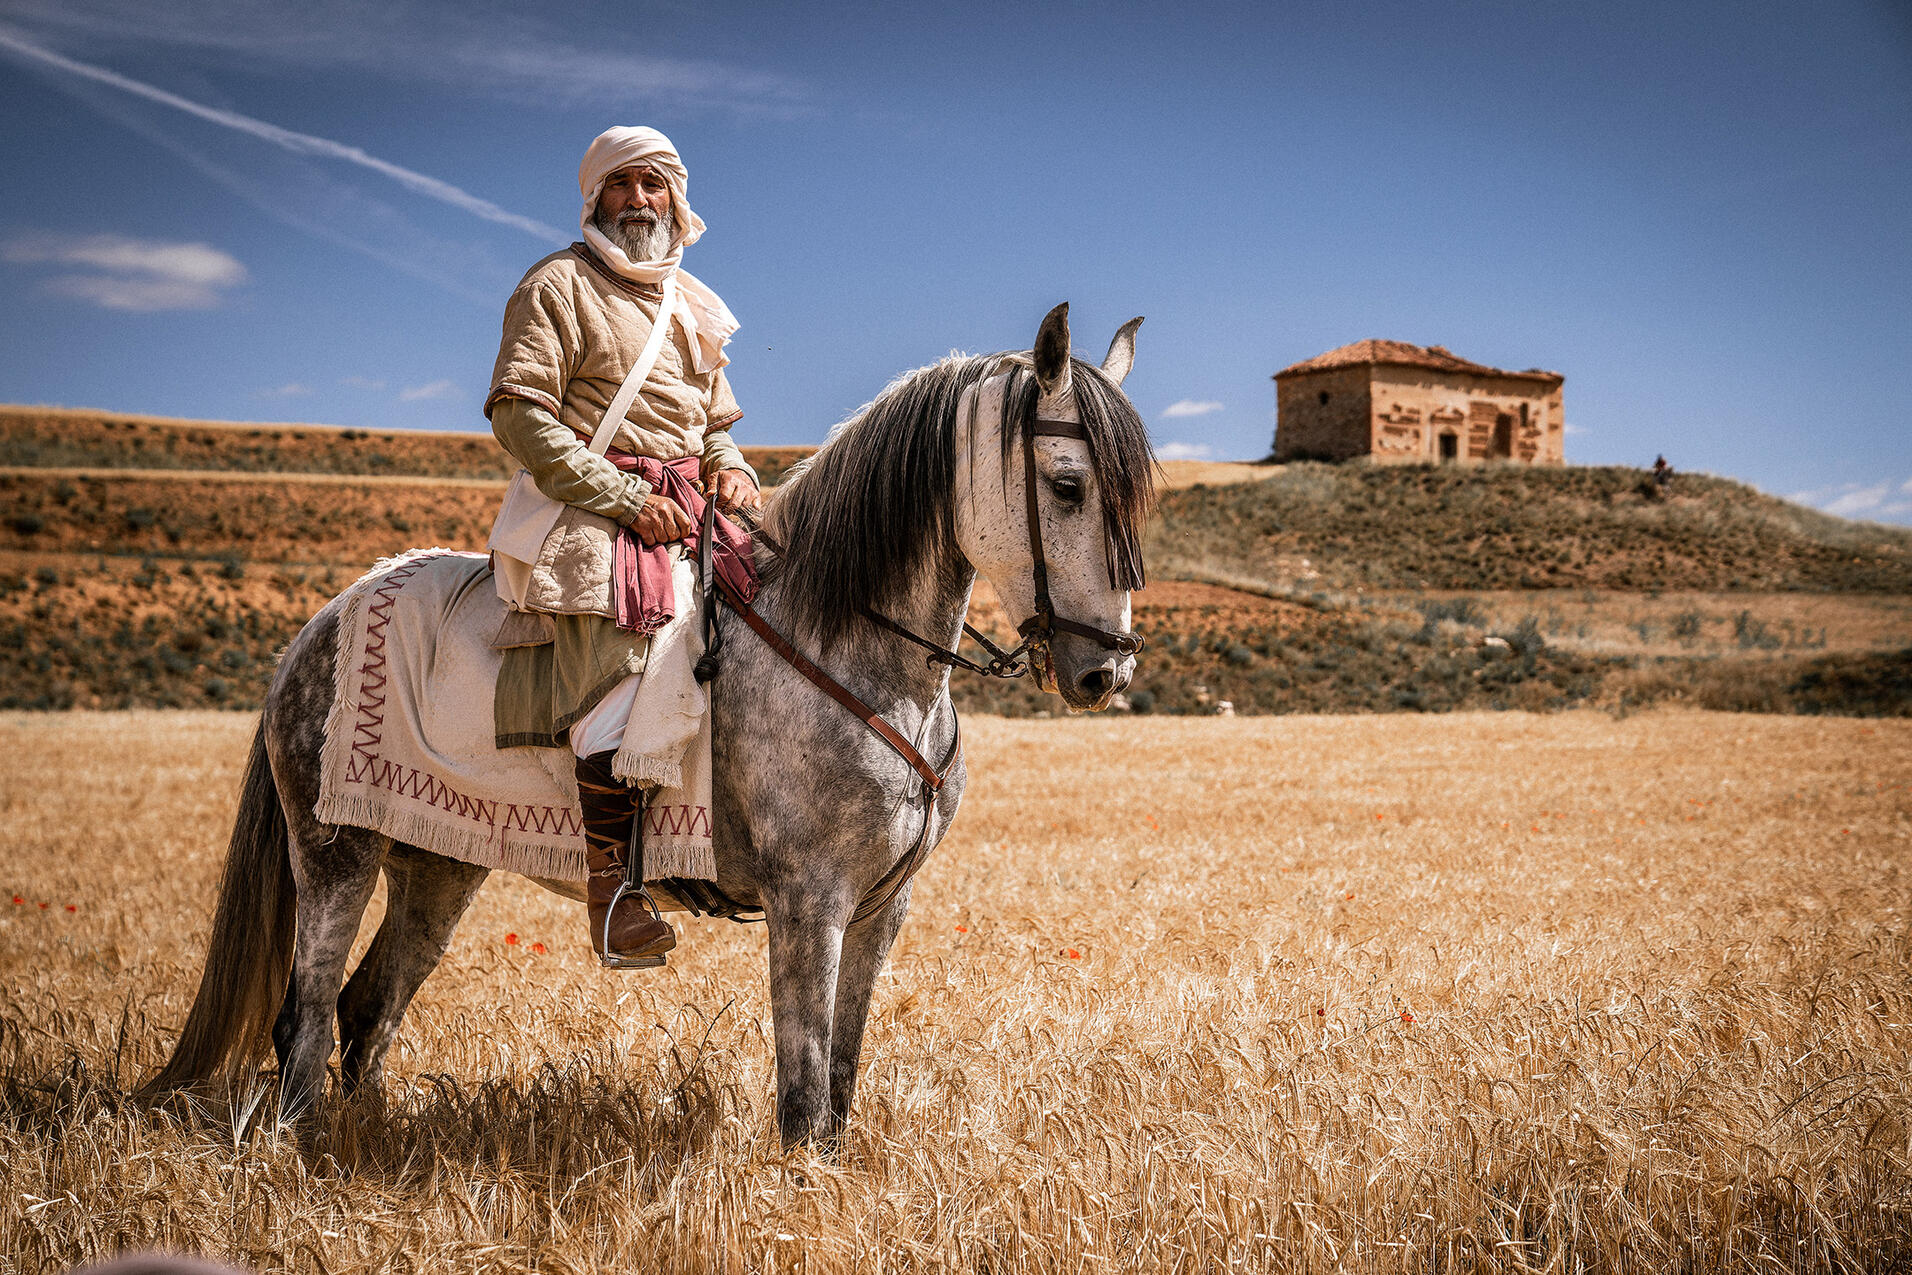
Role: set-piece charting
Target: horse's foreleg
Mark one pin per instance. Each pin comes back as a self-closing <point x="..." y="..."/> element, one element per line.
<point x="806" y="944"/>
<point x="865" y="948"/>
<point x="335" y="879"/>
<point x="425" y="896"/>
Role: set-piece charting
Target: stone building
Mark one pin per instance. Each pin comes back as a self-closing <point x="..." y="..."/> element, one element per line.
<point x="1392" y="401"/>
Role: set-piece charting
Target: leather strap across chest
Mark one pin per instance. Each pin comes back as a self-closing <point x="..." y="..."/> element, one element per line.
<point x="932" y="777"/>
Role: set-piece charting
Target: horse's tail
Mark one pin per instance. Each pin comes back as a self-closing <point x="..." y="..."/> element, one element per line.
<point x="250" y="952"/>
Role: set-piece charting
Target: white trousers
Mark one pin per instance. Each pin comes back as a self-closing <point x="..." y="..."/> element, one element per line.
<point x="602" y="729"/>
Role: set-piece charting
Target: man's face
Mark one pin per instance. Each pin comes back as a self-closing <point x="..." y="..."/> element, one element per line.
<point x="633" y="188"/>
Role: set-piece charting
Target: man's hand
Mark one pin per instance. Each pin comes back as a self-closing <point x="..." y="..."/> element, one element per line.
<point x="732" y="488"/>
<point x="661" y="521"/>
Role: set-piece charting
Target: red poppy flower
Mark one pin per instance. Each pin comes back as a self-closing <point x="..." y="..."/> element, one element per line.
<point x="962" y="929"/>
<point x="71" y="908"/>
<point x="1320" y="1013"/>
<point x="18" y="899"/>
<point x="1406" y="1017"/>
<point x="1071" y="953"/>
<point x="45" y="906"/>
<point x="538" y="948"/>
<point x="1350" y="895"/>
<point x="512" y="939"/>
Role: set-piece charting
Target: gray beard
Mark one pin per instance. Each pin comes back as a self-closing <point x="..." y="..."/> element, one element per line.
<point x="640" y="240"/>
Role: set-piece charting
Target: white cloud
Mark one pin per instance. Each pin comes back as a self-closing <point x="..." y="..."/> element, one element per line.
<point x="1184" y="451"/>
<point x="134" y="274"/>
<point x="361" y="382"/>
<point x="1191" y="407"/>
<point x="1854" y="499"/>
<point x="1573" y="430"/>
<point x="1876" y="502"/>
<point x="193" y="263"/>
<point x="291" y="389"/>
<point x="430" y="390"/>
<point x="298" y="143"/>
<point x="481" y="48"/>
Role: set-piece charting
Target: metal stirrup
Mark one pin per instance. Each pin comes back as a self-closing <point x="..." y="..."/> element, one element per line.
<point x="632" y="884"/>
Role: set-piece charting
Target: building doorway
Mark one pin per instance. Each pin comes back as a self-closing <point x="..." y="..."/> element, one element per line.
<point x="1503" y="436"/>
<point x="1450" y="448"/>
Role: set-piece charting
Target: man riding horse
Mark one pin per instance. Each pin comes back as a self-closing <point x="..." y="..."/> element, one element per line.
<point x="576" y="330"/>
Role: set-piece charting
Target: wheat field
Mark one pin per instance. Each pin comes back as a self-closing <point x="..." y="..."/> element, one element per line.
<point x="1468" y="992"/>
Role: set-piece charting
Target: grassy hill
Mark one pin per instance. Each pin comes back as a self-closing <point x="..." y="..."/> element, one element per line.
<point x="1356" y="528"/>
<point x="153" y="562"/>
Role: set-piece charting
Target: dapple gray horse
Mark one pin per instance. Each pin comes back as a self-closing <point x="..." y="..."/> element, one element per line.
<point x="896" y="514"/>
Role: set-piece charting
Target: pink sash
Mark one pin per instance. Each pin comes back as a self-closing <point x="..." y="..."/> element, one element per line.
<point x="641" y="575"/>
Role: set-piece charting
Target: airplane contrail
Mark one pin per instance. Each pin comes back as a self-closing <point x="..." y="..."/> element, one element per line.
<point x="299" y="143"/>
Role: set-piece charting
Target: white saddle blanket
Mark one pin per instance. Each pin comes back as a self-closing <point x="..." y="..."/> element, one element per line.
<point x="409" y="746"/>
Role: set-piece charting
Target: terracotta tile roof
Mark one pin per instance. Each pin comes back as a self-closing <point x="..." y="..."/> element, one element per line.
<point x="1402" y="354"/>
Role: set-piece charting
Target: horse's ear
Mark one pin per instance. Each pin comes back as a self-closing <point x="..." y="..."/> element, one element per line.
<point x="1052" y="352"/>
<point x="1121" y="356"/>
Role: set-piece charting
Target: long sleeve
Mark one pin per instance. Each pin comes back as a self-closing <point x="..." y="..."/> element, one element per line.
<point x="720" y="450"/>
<point x="563" y="467"/>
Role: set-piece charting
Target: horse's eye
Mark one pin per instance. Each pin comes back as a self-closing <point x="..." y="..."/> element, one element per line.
<point x="1069" y="489"/>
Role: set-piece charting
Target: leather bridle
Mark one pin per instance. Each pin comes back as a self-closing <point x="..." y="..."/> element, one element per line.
<point x="1041" y="627"/>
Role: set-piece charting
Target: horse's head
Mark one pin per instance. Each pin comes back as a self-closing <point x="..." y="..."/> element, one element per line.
<point x="1065" y="562"/>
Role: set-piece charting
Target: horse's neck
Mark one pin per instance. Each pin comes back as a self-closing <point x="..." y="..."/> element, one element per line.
<point x="883" y="662"/>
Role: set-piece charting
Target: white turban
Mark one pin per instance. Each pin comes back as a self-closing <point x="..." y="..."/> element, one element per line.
<point x="706" y="318"/>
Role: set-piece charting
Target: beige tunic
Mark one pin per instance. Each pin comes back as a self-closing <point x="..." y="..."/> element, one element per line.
<point x="571" y="332"/>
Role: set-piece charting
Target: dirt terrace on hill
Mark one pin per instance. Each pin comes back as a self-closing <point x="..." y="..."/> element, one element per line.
<point x="61" y="438"/>
<point x="271" y="519"/>
<point x="36" y="437"/>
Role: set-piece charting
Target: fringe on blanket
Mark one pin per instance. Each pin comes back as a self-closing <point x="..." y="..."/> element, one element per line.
<point x="439" y="838"/>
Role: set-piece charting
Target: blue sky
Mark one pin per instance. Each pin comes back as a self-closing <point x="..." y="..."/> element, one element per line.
<point x="1697" y="213"/>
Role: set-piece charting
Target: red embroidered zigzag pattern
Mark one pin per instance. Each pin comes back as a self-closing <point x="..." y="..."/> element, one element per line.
<point x="677" y="821"/>
<point x="365" y="766"/>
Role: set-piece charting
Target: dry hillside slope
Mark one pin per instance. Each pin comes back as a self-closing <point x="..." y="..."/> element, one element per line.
<point x="1362" y="527"/>
<point x="146" y="561"/>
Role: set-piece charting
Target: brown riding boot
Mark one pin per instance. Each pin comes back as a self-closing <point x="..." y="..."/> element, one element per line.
<point x="637" y="936"/>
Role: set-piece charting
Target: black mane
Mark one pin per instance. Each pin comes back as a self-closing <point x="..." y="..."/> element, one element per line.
<point x="862" y="518"/>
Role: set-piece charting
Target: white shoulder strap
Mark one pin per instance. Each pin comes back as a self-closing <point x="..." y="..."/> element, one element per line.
<point x="640" y="370"/>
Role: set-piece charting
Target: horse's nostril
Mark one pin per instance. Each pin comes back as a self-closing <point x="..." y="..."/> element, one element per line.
<point x="1096" y="683"/>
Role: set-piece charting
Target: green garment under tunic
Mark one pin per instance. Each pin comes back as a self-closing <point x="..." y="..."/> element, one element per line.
<point x="543" y="689"/>
<point x="545" y="684"/>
